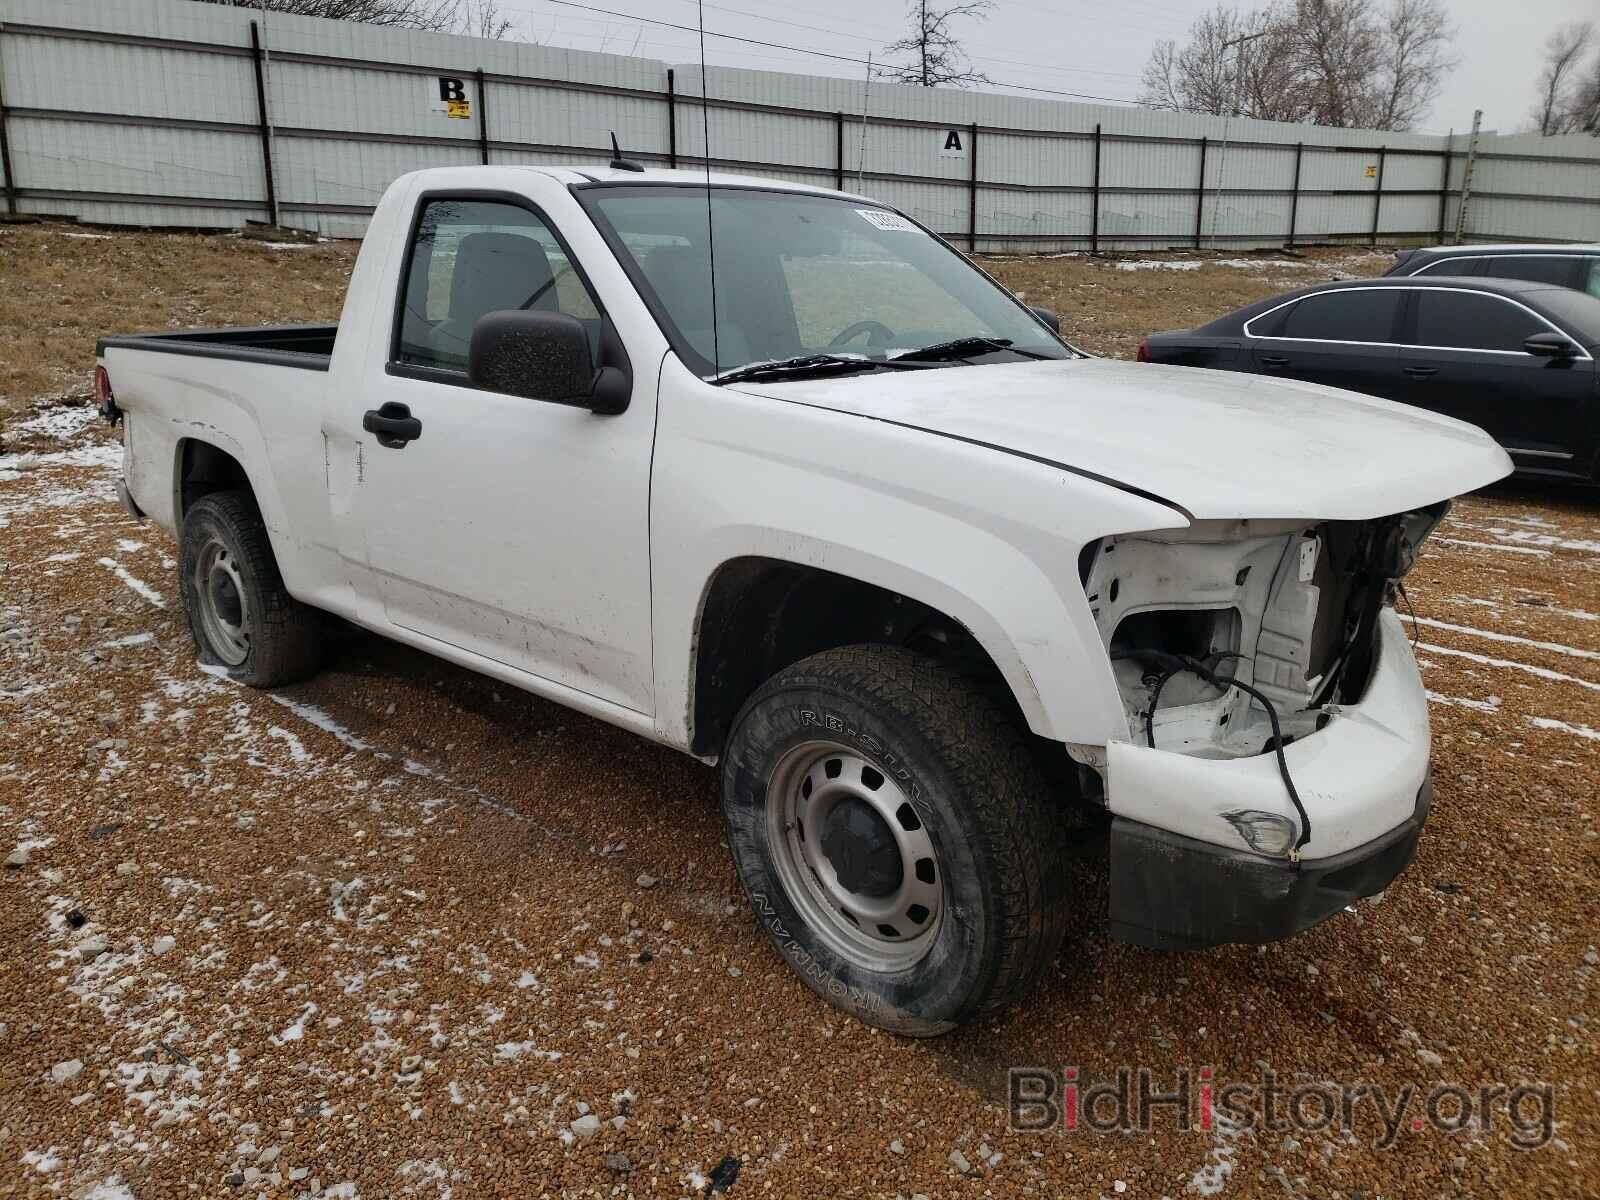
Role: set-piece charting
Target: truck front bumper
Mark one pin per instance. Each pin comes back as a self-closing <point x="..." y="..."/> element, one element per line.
<point x="1176" y="893"/>
<point x="1182" y="876"/>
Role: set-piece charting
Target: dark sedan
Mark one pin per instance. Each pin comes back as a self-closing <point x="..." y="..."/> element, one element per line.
<point x="1574" y="266"/>
<point x="1514" y="357"/>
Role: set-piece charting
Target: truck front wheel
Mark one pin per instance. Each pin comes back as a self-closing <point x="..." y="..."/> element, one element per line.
<point x="896" y="840"/>
<point x="242" y="617"/>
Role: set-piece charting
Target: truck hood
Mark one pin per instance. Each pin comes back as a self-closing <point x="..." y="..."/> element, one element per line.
<point x="1215" y="445"/>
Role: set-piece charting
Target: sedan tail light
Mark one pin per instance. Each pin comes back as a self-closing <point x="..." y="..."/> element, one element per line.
<point x="1143" y="354"/>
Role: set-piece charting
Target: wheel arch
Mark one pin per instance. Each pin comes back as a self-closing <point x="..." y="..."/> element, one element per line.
<point x="759" y="614"/>
<point x="200" y="468"/>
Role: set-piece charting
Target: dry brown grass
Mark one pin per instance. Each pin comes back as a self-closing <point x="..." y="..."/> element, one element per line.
<point x="65" y="286"/>
<point x="1106" y="310"/>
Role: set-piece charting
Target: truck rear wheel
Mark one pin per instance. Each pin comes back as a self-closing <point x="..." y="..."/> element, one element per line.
<point x="241" y="616"/>
<point x="896" y="840"/>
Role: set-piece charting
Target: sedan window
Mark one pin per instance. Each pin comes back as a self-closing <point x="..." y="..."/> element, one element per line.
<point x="1540" y="268"/>
<point x="1356" y="315"/>
<point x="1473" y="321"/>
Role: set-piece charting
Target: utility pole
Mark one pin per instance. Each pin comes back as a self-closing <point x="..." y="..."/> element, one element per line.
<point x="866" y="100"/>
<point x="1466" y="176"/>
<point x="266" y="109"/>
<point x="1238" y="44"/>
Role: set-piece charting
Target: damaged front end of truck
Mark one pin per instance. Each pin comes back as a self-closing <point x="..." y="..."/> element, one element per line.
<point x="1276" y="762"/>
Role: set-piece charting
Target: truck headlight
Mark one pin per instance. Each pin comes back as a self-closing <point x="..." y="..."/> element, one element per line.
<point x="1263" y="832"/>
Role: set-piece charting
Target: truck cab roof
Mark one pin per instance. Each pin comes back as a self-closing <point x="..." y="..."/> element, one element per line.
<point x="602" y="174"/>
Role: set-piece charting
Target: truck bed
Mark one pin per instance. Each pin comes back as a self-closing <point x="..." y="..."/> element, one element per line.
<point x="308" y="347"/>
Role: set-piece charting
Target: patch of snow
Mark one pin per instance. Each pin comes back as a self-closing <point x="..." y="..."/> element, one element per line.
<point x="1528" y="538"/>
<point x="42" y="1161"/>
<point x="134" y="582"/>
<point x="1508" y="664"/>
<point x="61" y="423"/>
<point x="1213" y="1175"/>
<point x="133" y="639"/>
<point x="1580" y="731"/>
<point x="297" y="1029"/>
<point x="1553" y="647"/>
<point x="1492" y="704"/>
<point x="1501" y="546"/>
<point x="297" y="750"/>
<point x="1158" y="264"/>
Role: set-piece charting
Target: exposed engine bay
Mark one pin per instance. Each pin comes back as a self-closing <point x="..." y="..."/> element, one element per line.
<point x="1233" y="638"/>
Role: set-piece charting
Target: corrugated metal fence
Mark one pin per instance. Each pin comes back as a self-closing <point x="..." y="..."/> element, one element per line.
<point x="163" y="112"/>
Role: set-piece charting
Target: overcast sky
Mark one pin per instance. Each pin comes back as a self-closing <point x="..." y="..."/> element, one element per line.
<point x="1087" y="47"/>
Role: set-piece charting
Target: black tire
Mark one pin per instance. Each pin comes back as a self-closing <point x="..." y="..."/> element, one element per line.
<point x="996" y="830"/>
<point x="279" y="639"/>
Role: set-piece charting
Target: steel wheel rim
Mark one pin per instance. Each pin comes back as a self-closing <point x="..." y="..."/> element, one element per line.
<point x="220" y="598"/>
<point x="819" y="793"/>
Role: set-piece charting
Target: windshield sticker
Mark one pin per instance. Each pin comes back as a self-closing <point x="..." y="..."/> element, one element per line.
<point x="879" y="219"/>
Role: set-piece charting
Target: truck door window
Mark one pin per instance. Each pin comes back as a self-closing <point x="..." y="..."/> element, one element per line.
<point x="469" y="258"/>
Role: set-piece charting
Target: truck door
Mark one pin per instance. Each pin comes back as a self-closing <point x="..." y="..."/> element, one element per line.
<point x="512" y="528"/>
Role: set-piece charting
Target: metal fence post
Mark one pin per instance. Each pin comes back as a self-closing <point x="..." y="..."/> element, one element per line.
<point x="1294" y="191"/>
<point x="1444" y="185"/>
<point x="838" y="151"/>
<point x="483" y="117"/>
<point x="257" y="56"/>
<point x="672" y="118"/>
<point x="1377" y="196"/>
<point x="1200" y="195"/>
<point x="972" y="188"/>
<point x="8" y="178"/>
<point x="1094" y="215"/>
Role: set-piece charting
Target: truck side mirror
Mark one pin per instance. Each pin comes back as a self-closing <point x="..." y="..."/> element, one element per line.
<point x="542" y="356"/>
<point x="1047" y="318"/>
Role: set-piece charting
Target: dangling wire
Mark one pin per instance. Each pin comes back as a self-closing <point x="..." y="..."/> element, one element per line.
<point x="1415" y="634"/>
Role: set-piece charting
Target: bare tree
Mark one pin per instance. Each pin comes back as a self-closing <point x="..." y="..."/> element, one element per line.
<point x="1584" y="107"/>
<point x="1416" y="57"/>
<point x="935" y="56"/>
<point x="1218" y="71"/>
<point x="480" y="18"/>
<point x="1330" y="62"/>
<point x="1562" y="81"/>
<point x="483" y="19"/>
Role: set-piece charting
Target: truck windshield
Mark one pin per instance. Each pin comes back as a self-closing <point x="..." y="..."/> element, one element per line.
<point x="800" y="275"/>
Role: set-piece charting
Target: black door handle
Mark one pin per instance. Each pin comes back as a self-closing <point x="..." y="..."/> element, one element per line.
<point x="1274" y="360"/>
<point x="394" y="425"/>
<point x="1420" y="372"/>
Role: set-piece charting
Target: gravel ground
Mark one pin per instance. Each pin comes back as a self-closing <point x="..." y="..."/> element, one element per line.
<point x="401" y="931"/>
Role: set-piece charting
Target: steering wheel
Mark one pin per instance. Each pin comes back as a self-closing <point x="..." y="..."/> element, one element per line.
<point x="878" y="334"/>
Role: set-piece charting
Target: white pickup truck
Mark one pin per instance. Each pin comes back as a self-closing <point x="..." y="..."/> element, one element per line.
<point x="773" y="475"/>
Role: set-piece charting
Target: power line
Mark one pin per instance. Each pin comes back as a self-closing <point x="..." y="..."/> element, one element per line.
<point x="878" y="66"/>
<point x="729" y="37"/>
<point x="856" y="37"/>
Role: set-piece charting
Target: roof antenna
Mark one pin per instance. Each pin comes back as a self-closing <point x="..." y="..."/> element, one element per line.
<point x="711" y="247"/>
<point x="618" y="163"/>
